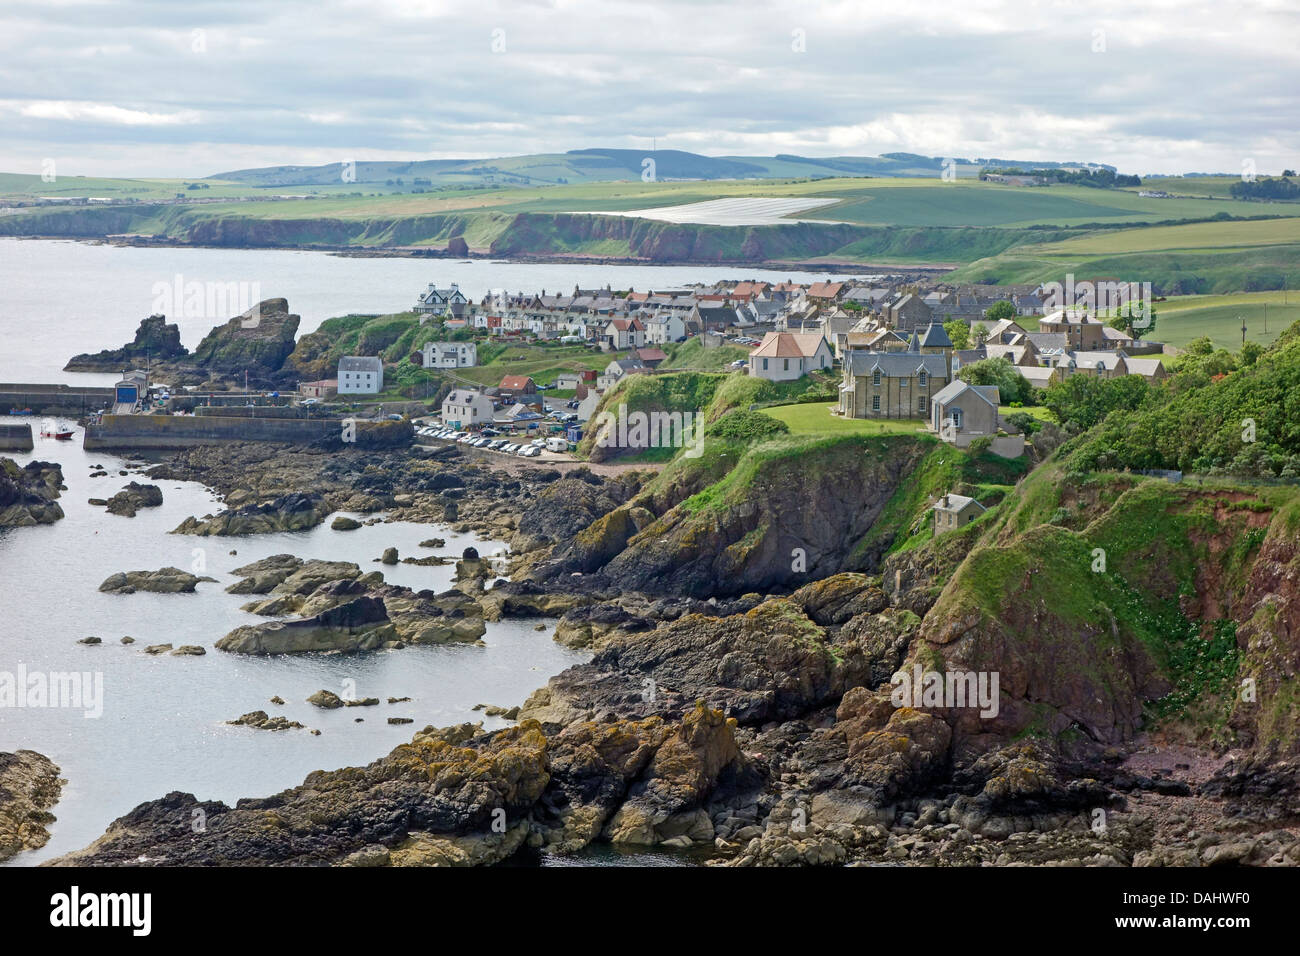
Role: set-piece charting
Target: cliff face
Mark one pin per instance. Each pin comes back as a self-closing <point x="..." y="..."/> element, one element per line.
<point x="531" y="234"/>
<point x="155" y="340"/>
<point x="785" y="515"/>
<point x="1141" y="604"/>
<point x="258" y="341"/>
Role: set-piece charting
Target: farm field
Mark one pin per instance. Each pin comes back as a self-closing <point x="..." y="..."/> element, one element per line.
<point x="1199" y="235"/>
<point x="1184" y="318"/>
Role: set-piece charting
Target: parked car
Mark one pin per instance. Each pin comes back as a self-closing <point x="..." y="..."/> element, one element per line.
<point x="532" y="451"/>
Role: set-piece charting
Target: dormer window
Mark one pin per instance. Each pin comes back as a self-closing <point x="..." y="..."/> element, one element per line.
<point x="920" y="378"/>
<point x="875" y="377"/>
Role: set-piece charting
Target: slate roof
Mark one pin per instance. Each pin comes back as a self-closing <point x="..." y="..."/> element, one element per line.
<point x="896" y="364"/>
<point x="955" y="388"/>
<point x="360" y="363"/>
<point x="935" y="337"/>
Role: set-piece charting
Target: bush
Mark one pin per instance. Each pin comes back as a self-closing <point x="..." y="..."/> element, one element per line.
<point x="747" y="427"/>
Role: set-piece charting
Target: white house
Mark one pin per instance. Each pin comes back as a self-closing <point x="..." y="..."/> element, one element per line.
<point x="465" y="407"/>
<point x="785" y="356"/>
<point x="436" y="301"/>
<point x="625" y="334"/>
<point x="587" y="407"/>
<point x="450" y="355"/>
<point x="663" y="328"/>
<point x="361" y="375"/>
<point x="618" y="368"/>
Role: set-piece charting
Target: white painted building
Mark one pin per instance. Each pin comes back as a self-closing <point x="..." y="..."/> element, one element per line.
<point x="465" y="407"/>
<point x="361" y="375"/>
<point x="450" y="355"/>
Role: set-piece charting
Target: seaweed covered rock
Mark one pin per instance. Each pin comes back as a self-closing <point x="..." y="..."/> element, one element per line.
<point x="292" y="512"/>
<point x="28" y="493"/>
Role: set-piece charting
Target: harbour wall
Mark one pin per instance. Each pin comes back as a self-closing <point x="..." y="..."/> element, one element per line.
<point x="15" y="436"/>
<point x="189" y="431"/>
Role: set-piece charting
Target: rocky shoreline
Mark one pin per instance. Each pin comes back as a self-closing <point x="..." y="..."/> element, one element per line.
<point x="29" y="787"/>
<point x="759" y="728"/>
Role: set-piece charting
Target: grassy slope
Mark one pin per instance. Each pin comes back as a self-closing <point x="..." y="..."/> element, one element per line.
<point x="692" y="354"/>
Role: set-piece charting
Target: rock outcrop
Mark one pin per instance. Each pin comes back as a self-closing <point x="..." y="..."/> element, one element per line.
<point x="359" y="625"/>
<point x="155" y="341"/>
<point x="163" y="581"/>
<point x="29" y="787"/>
<point x="292" y="512"/>
<point x="258" y="341"/>
<point x="28" y="493"/>
<point x="132" y="498"/>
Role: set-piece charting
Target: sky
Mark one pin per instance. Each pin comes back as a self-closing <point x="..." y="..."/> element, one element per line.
<point x="188" y="89"/>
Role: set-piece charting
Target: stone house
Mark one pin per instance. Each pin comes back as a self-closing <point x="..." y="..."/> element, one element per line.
<point x="953" y="511"/>
<point x="891" y="384"/>
<point x="961" y="412"/>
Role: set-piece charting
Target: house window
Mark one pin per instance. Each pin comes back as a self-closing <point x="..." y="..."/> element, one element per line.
<point x="903" y="383"/>
<point x="875" y="403"/>
<point x="875" y="377"/>
<point x="787" y="366"/>
<point x="920" y="379"/>
<point x="956" y="418"/>
<point x="764" y="365"/>
<point x="922" y="406"/>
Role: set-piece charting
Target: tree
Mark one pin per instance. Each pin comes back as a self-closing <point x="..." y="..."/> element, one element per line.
<point x="1287" y="172"/>
<point x="1082" y="401"/>
<point x="1012" y="386"/>
<point x="999" y="310"/>
<point x="980" y="332"/>
<point x="959" y="332"/>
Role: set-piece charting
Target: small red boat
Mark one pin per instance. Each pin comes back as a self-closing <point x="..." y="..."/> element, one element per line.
<point x="62" y="431"/>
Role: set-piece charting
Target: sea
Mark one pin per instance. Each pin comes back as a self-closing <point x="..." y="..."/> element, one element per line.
<point x="161" y="723"/>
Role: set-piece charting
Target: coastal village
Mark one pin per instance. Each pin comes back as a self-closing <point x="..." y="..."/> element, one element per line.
<point x="884" y="347"/>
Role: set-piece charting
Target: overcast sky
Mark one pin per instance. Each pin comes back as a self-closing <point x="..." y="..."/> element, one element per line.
<point x="193" y="88"/>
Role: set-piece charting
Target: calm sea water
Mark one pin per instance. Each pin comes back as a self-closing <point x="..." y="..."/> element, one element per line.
<point x="61" y="298"/>
<point x="162" y="726"/>
<point x="163" y="722"/>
